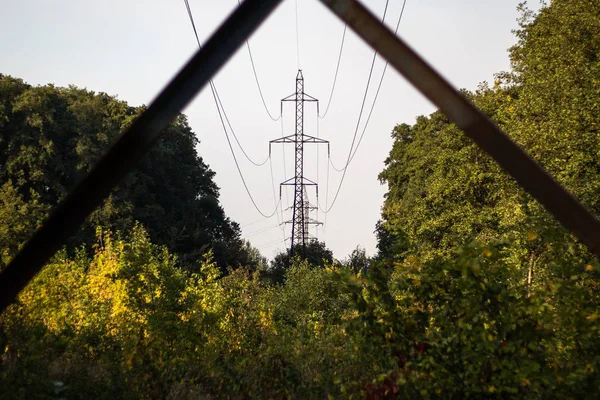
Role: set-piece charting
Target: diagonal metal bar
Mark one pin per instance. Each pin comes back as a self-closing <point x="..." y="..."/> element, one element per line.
<point x="131" y="146"/>
<point x="530" y="175"/>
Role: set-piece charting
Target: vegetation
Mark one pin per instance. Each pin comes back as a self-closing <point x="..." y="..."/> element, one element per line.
<point x="476" y="291"/>
<point x="315" y="253"/>
<point x="50" y="137"/>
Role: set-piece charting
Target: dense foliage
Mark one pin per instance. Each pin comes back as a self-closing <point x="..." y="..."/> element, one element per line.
<point x="127" y="323"/>
<point x="315" y="253"/>
<point x="50" y="137"/>
<point x="476" y="291"/>
<point x="444" y="190"/>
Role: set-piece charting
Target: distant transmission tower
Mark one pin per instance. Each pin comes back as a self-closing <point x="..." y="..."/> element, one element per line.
<point x="301" y="209"/>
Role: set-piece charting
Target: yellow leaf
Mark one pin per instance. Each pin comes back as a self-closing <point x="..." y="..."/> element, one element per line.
<point x="589" y="268"/>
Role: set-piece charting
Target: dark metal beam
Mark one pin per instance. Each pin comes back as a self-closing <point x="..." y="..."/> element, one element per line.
<point x="530" y="175"/>
<point x="131" y="146"/>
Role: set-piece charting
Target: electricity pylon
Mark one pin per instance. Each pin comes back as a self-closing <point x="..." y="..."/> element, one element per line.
<point x="301" y="209"/>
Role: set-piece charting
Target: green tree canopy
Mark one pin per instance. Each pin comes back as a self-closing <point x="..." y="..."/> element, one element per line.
<point x="50" y="137"/>
<point x="444" y="191"/>
<point x="315" y="253"/>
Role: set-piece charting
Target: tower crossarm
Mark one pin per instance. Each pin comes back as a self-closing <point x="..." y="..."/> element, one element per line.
<point x="303" y="139"/>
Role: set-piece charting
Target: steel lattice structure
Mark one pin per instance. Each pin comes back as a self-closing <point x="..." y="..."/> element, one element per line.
<point x="141" y="135"/>
<point x="301" y="207"/>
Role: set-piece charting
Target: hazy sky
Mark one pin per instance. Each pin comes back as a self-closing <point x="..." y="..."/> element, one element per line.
<point x="132" y="48"/>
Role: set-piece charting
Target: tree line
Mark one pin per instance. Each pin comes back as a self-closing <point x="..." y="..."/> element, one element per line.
<point x="50" y="137"/>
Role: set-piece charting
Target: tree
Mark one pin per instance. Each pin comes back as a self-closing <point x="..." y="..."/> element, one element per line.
<point x="19" y="219"/>
<point x="254" y="260"/>
<point x="444" y="191"/>
<point x="315" y="253"/>
<point x="50" y="137"/>
<point x="358" y="260"/>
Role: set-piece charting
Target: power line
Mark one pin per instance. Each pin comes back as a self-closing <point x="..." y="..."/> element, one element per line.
<point x="345" y="169"/>
<point x="336" y="168"/>
<point x="374" y="100"/>
<point x="379" y="86"/>
<point x="364" y="100"/>
<point x="262" y="230"/>
<point x="240" y="171"/>
<point x="317" y="208"/>
<point x="216" y="98"/>
<point x="273" y="187"/>
<point x="279" y="220"/>
<point x="215" y="93"/>
<point x="326" y="197"/>
<point x="287" y="197"/>
<point x="285" y="187"/>
<point x="269" y="244"/>
<point x="257" y="82"/>
<point x="252" y="223"/>
<point x="337" y="68"/>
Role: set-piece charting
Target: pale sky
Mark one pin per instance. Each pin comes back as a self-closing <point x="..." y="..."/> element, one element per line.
<point x="131" y="49"/>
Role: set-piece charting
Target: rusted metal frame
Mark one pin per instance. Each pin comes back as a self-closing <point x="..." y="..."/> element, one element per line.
<point x="131" y="146"/>
<point x="529" y="174"/>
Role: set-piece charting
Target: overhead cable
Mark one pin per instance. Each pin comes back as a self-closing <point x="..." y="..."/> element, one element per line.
<point x="336" y="168"/>
<point x="252" y="223"/>
<point x="273" y="187"/>
<point x="216" y="98"/>
<point x="287" y="196"/>
<point x="378" y="86"/>
<point x="215" y="93"/>
<point x="374" y="100"/>
<point x="345" y="168"/>
<point x="337" y="68"/>
<point x="317" y="208"/>
<point x="326" y="198"/>
<point x="237" y="165"/>
<point x="269" y="244"/>
<point x="257" y="81"/>
<point x="279" y="220"/>
<point x="262" y="230"/>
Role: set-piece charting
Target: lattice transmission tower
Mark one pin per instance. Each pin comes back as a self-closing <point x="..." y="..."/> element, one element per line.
<point x="301" y="220"/>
